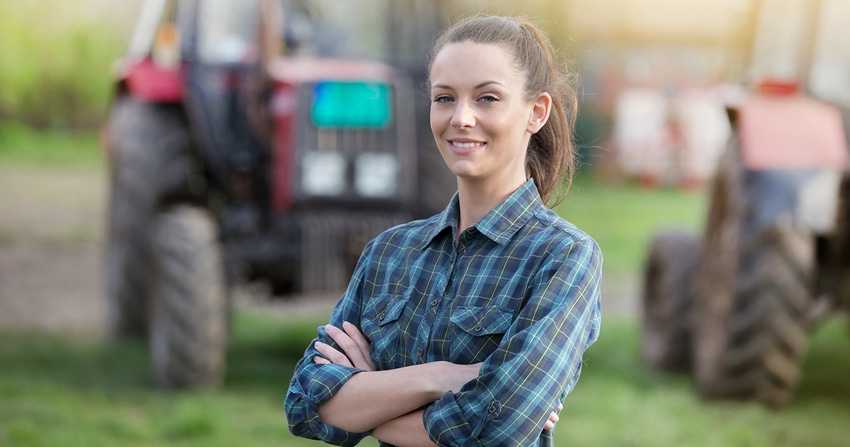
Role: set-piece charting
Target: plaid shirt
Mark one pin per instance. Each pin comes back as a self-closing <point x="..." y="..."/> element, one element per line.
<point x="519" y="291"/>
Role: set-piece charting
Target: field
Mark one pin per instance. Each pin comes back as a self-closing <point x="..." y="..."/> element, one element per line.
<point x="62" y="383"/>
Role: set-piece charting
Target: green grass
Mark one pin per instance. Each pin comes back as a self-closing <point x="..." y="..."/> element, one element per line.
<point x="54" y="391"/>
<point x="21" y="145"/>
<point x="85" y="392"/>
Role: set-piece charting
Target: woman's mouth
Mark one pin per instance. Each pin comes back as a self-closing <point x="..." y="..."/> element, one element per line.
<point x="466" y="147"/>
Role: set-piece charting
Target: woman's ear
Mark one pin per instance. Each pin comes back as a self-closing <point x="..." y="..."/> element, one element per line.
<point x="540" y="109"/>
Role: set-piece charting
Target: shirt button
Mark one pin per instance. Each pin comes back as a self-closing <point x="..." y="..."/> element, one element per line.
<point x="478" y="328"/>
<point x="420" y="352"/>
<point x="381" y="316"/>
<point x="434" y="302"/>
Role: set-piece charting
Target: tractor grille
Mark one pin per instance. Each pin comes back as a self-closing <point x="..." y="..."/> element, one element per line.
<point x="346" y="141"/>
<point x="396" y="138"/>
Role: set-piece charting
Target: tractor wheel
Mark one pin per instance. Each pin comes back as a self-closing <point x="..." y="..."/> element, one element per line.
<point x="667" y="300"/>
<point x="188" y="302"/>
<point x="149" y="161"/>
<point x="752" y="296"/>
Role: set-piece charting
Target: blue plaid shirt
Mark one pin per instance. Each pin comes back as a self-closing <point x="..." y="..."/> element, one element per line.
<point x="519" y="291"/>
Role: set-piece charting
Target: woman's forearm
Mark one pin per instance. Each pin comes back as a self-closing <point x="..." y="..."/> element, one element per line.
<point x="404" y="431"/>
<point x="372" y="398"/>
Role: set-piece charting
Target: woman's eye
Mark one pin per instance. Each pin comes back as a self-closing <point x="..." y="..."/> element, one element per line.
<point x="442" y="99"/>
<point x="488" y="98"/>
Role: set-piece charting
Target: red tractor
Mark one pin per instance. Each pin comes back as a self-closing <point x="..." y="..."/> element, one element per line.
<point x="736" y="305"/>
<point x="242" y="150"/>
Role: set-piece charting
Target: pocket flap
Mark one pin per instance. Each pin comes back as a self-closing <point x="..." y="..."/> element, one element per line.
<point x="481" y="320"/>
<point x="383" y="309"/>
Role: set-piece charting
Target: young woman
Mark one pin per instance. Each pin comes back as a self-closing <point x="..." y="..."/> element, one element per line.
<point x="467" y="328"/>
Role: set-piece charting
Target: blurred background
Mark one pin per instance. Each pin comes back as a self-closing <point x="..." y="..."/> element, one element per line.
<point x="654" y="78"/>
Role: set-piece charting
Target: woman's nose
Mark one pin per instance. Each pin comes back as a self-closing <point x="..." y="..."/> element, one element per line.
<point x="463" y="116"/>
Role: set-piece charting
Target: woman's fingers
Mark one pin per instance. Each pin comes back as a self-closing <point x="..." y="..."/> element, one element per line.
<point x="332" y="355"/>
<point x="351" y="350"/>
<point x="550" y="423"/>
<point x="553" y="418"/>
<point x="361" y="342"/>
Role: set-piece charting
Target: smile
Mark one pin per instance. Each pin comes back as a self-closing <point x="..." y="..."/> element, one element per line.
<point x="466" y="145"/>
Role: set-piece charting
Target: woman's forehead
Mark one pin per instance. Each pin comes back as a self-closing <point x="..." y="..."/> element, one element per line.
<point x="474" y="64"/>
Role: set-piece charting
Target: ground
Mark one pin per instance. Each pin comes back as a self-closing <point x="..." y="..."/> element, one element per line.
<point x="51" y="226"/>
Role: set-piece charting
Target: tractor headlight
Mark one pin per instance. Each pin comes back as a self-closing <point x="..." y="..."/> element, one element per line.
<point x="376" y="175"/>
<point x="323" y="173"/>
<point x="817" y="206"/>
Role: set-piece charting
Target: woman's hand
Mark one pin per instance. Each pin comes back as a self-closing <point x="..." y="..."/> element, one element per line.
<point x="553" y="418"/>
<point x="355" y="348"/>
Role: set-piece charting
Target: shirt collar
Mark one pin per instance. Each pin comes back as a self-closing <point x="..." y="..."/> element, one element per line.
<point x="502" y="222"/>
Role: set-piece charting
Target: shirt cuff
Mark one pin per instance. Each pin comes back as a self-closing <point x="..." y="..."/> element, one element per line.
<point x="306" y="395"/>
<point x="448" y="425"/>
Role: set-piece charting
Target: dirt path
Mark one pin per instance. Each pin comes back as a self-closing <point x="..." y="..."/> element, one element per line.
<point x="51" y="222"/>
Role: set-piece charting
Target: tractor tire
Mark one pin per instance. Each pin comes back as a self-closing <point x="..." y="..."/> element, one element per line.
<point x="189" y="305"/>
<point x="149" y="161"/>
<point x="753" y="293"/>
<point x="667" y="300"/>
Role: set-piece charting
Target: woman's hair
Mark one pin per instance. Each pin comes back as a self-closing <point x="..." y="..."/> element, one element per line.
<point x="550" y="157"/>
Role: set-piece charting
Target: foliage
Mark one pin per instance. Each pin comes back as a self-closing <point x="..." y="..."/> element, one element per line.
<point x="56" y="58"/>
<point x="57" y="390"/>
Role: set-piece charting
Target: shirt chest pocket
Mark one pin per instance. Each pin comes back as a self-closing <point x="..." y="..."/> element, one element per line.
<point x="382" y="326"/>
<point x="477" y="332"/>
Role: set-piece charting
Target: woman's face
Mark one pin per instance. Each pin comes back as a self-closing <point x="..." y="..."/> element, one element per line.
<point x="480" y="116"/>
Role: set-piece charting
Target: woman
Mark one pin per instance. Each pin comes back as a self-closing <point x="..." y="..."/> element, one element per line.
<point x="467" y="328"/>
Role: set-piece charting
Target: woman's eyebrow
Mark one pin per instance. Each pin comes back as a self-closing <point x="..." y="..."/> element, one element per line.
<point x="477" y="87"/>
<point x="486" y="83"/>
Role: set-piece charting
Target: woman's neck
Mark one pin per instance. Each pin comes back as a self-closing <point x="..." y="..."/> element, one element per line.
<point x="476" y="199"/>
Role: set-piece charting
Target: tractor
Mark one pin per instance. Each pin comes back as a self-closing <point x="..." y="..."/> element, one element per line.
<point x="245" y="145"/>
<point x="737" y="304"/>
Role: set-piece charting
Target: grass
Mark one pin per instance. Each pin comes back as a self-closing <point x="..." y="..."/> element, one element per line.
<point x="55" y="391"/>
<point x="22" y="146"/>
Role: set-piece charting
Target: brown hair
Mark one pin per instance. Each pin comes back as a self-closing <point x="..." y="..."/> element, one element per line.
<point x="550" y="158"/>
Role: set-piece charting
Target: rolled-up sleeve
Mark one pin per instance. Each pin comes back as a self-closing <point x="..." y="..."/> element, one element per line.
<point x="537" y="363"/>
<point x="313" y="384"/>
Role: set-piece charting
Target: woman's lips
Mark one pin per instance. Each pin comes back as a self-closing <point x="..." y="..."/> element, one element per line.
<point x="465" y="147"/>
